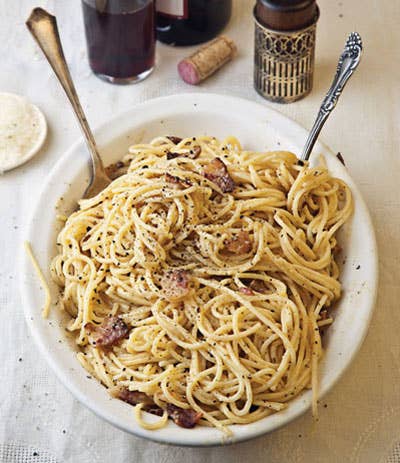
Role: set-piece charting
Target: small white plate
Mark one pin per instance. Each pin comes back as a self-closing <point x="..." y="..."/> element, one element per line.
<point x="258" y="128"/>
<point x="23" y="130"/>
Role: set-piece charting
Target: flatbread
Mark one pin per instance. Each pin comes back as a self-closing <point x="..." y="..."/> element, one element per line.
<point x="23" y="130"/>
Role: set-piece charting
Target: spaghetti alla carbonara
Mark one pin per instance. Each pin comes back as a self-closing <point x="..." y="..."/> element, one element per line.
<point x="199" y="280"/>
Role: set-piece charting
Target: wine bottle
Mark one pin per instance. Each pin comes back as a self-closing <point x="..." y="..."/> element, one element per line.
<point x="190" y="22"/>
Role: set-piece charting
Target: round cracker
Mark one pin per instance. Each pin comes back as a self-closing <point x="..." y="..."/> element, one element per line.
<point x="23" y="130"/>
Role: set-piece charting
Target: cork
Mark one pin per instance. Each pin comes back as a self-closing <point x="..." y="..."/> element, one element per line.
<point x="207" y="60"/>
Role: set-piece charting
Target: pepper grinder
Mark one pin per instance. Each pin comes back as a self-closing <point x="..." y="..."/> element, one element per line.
<point x="284" y="48"/>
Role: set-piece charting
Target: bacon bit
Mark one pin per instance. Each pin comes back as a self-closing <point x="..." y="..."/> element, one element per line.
<point x="258" y="286"/>
<point x="177" y="181"/>
<point x="217" y="172"/>
<point x="136" y="397"/>
<point x="175" y="284"/>
<point x="153" y="409"/>
<point x="340" y="157"/>
<point x="116" y="170"/>
<point x="133" y="397"/>
<point x="323" y="315"/>
<point x="239" y="244"/>
<point x="192" y="154"/>
<point x="172" y="155"/>
<point x="112" y="330"/>
<point x="337" y="249"/>
<point x="245" y="290"/>
<point x="185" y="418"/>
<point x="174" y="140"/>
<point x="195" y="152"/>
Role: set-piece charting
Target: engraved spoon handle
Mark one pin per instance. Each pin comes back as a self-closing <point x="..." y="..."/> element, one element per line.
<point x="348" y="61"/>
<point x="43" y="26"/>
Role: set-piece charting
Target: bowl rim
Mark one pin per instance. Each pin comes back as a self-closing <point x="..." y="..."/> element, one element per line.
<point x="200" y="436"/>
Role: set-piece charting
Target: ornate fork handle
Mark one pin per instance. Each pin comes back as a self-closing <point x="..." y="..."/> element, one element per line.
<point x="348" y="61"/>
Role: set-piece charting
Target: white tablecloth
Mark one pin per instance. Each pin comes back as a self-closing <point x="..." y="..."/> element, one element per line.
<point x="360" y="419"/>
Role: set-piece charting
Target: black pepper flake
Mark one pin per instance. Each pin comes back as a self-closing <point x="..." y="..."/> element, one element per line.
<point x="340" y="157"/>
<point x="35" y="454"/>
<point x="358" y="267"/>
<point x="20" y="359"/>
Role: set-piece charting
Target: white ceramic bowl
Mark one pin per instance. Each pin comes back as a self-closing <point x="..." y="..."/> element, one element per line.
<point x="257" y="127"/>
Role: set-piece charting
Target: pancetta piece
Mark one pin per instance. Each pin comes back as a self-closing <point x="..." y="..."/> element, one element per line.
<point x="136" y="397"/>
<point x="177" y="181"/>
<point x="174" y="140"/>
<point x="240" y="243"/>
<point x="185" y="418"/>
<point x="217" y="172"/>
<point x="175" y="284"/>
<point x="258" y="286"/>
<point x="112" y="330"/>
<point x="245" y="290"/>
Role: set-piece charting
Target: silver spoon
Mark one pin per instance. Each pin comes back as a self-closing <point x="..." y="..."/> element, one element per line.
<point x="348" y="61"/>
<point x="43" y="26"/>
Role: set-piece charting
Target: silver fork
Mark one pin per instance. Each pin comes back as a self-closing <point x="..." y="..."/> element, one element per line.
<point x="43" y="26"/>
<point x="348" y="61"/>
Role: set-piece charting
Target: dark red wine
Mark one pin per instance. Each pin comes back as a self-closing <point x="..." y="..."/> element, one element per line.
<point x="189" y="22"/>
<point x="120" y="37"/>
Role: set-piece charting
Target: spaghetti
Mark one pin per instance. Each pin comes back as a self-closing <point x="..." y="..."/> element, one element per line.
<point x="199" y="280"/>
<point x="45" y="286"/>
